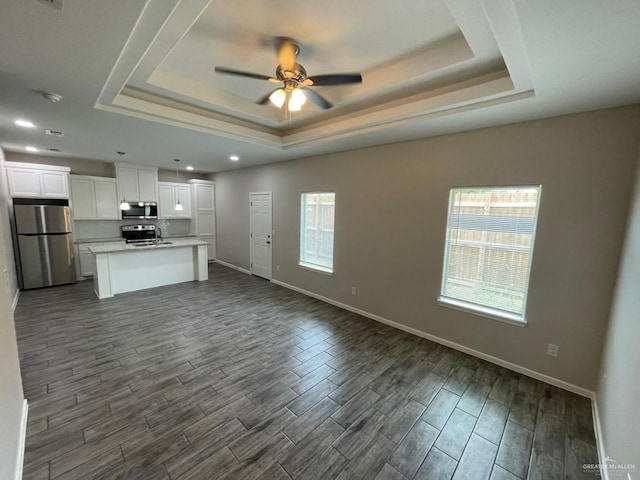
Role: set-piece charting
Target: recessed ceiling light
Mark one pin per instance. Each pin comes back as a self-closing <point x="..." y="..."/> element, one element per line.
<point x="31" y="149"/>
<point x="234" y="158"/>
<point x="190" y="168"/>
<point x="120" y="153"/>
<point x="24" y="123"/>
<point x="54" y="149"/>
<point x="54" y="133"/>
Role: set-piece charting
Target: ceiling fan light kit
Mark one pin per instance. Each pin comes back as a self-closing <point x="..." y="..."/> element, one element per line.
<point x="293" y="76"/>
<point x="278" y="97"/>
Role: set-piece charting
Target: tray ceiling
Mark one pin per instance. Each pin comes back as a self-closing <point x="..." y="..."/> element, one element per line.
<point x="438" y="56"/>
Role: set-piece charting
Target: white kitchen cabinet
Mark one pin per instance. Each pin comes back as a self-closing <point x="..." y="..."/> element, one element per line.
<point x="94" y="198"/>
<point x="54" y="184"/>
<point x="107" y="204"/>
<point x="87" y="260"/>
<point x="169" y="193"/>
<point x="83" y="198"/>
<point x="203" y="211"/>
<point x="137" y="184"/>
<point x="205" y="196"/>
<point x="37" y="181"/>
<point x="206" y="223"/>
<point x="211" y="246"/>
<point x="128" y="183"/>
<point x="148" y="185"/>
<point x="166" y="201"/>
<point x="24" y="182"/>
<point x="183" y="194"/>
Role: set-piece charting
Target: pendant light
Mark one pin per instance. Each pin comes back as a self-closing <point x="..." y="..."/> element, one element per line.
<point x="178" y="207"/>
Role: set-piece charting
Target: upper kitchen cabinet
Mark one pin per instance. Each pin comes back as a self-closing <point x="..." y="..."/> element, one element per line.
<point x="169" y="195"/>
<point x="205" y="195"/>
<point x="94" y="198"/>
<point x="137" y="184"/>
<point x="37" y="181"/>
<point x="148" y="185"/>
<point x="107" y="204"/>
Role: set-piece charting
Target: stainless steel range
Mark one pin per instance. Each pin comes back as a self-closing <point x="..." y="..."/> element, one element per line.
<point x="140" y="234"/>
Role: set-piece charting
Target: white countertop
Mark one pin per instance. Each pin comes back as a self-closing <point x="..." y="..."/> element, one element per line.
<point x="121" y="246"/>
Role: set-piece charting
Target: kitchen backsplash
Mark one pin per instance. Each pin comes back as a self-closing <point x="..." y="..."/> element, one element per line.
<point x="97" y="229"/>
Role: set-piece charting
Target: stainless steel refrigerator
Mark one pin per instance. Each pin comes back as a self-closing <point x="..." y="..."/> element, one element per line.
<point x="45" y="243"/>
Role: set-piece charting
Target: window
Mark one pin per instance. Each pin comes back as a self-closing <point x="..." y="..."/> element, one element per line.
<point x="317" y="216"/>
<point x="488" y="250"/>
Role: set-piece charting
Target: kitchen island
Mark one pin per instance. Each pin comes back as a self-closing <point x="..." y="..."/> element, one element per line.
<point x="124" y="267"/>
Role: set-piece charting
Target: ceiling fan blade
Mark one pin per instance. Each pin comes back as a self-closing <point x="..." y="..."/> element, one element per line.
<point x="335" y="79"/>
<point x="239" y="73"/>
<point x="264" y="100"/>
<point x="318" y="99"/>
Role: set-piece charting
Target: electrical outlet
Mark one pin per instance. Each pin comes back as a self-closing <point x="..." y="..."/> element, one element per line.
<point x="552" y="350"/>
<point x="353" y="291"/>
<point x="277" y="268"/>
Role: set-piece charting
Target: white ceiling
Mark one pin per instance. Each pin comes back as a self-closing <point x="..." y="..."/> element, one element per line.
<point x="138" y="76"/>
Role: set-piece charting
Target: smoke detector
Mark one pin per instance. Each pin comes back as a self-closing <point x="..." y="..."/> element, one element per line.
<point x="54" y="133"/>
<point x="52" y="97"/>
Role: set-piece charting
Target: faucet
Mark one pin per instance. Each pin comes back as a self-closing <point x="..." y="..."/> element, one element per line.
<point x="157" y="234"/>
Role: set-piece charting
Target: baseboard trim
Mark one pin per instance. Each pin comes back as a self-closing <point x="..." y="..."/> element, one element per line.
<point x="235" y="267"/>
<point x="447" y="343"/>
<point x="15" y="300"/>
<point x="22" y="440"/>
<point x="597" y="428"/>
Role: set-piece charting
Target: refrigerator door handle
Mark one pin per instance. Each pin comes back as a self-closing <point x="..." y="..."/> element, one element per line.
<point x="45" y="259"/>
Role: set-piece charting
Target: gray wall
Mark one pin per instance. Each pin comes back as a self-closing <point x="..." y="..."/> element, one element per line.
<point x="11" y="395"/>
<point x="619" y="384"/>
<point x="391" y="217"/>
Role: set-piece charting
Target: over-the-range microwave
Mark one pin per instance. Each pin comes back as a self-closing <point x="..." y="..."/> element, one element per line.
<point x="140" y="210"/>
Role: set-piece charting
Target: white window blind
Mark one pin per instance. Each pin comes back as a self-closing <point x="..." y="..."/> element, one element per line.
<point x="316" y="230"/>
<point x="489" y="245"/>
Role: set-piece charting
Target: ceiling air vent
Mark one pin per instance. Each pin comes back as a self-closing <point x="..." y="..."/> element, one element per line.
<point x="54" y="3"/>
<point x="54" y="133"/>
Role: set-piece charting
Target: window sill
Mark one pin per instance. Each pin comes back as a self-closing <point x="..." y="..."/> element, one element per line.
<point x="500" y="316"/>
<point x="315" y="268"/>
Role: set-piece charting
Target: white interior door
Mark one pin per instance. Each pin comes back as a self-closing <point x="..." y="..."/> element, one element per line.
<point x="261" y="229"/>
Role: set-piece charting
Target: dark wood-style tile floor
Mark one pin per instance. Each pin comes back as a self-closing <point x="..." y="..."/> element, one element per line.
<point x="237" y="378"/>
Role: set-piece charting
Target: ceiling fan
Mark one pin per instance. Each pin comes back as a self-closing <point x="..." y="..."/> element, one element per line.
<point x="294" y="78"/>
